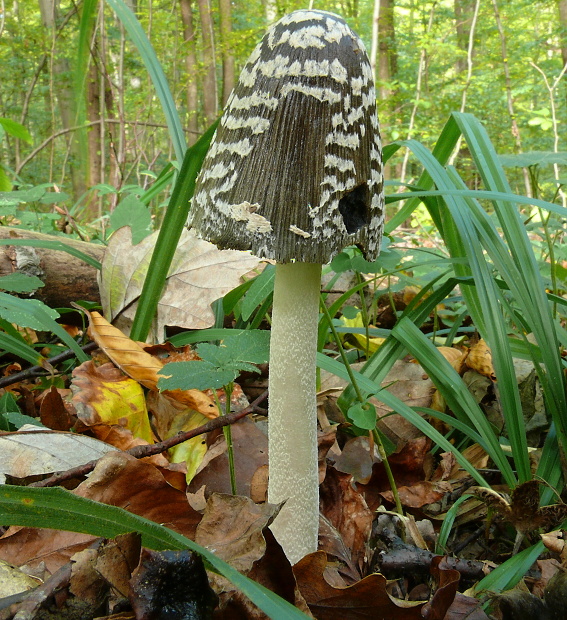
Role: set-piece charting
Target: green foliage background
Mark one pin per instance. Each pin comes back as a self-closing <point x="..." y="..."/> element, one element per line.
<point x="423" y="31"/>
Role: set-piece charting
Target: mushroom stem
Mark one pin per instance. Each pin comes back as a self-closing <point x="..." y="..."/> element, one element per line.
<point x="292" y="433"/>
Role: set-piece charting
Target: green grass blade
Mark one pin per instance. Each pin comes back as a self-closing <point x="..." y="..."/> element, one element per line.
<point x="455" y="392"/>
<point x="15" y="346"/>
<point x="371" y="387"/>
<point x="59" y="509"/>
<point x="445" y="145"/>
<point x="39" y="315"/>
<point x="380" y="363"/>
<point x="529" y="286"/>
<point x="173" y="223"/>
<point x="155" y="70"/>
<point x="508" y="574"/>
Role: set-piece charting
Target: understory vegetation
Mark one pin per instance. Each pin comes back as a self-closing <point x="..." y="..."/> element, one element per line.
<point x="441" y="365"/>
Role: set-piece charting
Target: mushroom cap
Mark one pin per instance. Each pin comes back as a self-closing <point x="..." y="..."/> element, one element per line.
<point x="294" y="171"/>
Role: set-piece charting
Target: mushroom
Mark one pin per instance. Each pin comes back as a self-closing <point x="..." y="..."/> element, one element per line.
<point x="294" y="174"/>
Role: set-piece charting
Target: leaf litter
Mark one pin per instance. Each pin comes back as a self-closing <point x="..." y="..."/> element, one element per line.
<point x="360" y="570"/>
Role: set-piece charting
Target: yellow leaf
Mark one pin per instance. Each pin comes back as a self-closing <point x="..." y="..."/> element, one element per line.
<point x="480" y="359"/>
<point x="373" y="343"/>
<point x="193" y="450"/>
<point x="144" y="368"/>
<point x="104" y="395"/>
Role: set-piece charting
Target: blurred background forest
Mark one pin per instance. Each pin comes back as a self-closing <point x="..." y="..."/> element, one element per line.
<point x="96" y="128"/>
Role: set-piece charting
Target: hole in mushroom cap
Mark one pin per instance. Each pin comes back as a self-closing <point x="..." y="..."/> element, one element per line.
<point x="354" y="207"/>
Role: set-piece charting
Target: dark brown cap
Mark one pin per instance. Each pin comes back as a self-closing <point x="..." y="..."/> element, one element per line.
<point x="294" y="171"/>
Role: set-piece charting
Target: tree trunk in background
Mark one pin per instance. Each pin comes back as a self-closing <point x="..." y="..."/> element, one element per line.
<point x="192" y="92"/>
<point x="95" y="140"/>
<point x="210" y="99"/>
<point x="225" y="19"/>
<point x="464" y="10"/>
<point x="49" y="10"/>
<point x="562" y="7"/>
<point x="387" y="64"/>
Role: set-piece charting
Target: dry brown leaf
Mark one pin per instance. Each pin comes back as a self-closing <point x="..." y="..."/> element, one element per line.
<point x="455" y="357"/>
<point x="480" y="359"/>
<point x="367" y="598"/>
<point x="200" y="273"/>
<point x="131" y="358"/>
<point x="120" y="480"/>
<point x="345" y="508"/>
<point x="35" y="450"/>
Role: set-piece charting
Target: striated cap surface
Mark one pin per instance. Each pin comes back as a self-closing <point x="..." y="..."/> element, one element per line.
<point x="294" y="171"/>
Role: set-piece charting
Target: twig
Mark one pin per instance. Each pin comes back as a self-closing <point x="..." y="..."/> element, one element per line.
<point x="35" y="598"/>
<point x="38" y="371"/>
<point x="157" y="448"/>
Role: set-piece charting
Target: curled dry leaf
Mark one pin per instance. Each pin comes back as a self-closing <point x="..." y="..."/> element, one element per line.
<point x="523" y="509"/>
<point x="367" y="598"/>
<point x="144" y="368"/>
<point x="347" y="511"/>
<point x="480" y="359"/>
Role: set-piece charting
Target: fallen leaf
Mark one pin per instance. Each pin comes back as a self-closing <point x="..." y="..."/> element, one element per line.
<point x="232" y="526"/>
<point x="345" y="508"/>
<point x="364" y="344"/>
<point x="447" y="580"/>
<point x="105" y="395"/>
<point x="420" y="494"/>
<point x="480" y="359"/>
<point x="367" y="598"/>
<point x="250" y="454"/>
<point x="118" y="480"/>
<point x="14" y="581"/>
<point x="144" y="368"/>
<point x="199" y="274"/>
<point x="523" y="509"/>
<point x="33" y="450"/>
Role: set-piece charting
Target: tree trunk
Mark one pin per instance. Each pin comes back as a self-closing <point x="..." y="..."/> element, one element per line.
<point x="387" y="64"/>
<point x="464" y="11"/>
<point x="227" y="55"/>
<point x="64" y="94"/>
<point x="562" y="8"/>
<point x="210" y="99"/>
<point x="191" y="66"/>
<point x="66" y="277"/>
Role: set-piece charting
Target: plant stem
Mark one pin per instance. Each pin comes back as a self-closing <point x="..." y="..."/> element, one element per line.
<point x="375" y="433"/>
<point x="227" y="432"/>
<point x="292" y="427"/>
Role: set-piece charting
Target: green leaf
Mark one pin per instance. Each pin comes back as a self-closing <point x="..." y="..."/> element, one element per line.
<point x="60" y="509"/>
<point x="249" y="346"/>
<point x="26" y="312"/>
<point x="5" y="183"/>
<point x="14" y="420"/>
<point x="195" y="375"/>
<point x="132" y="212"/>
<point x="363" y="415"/>
<point x="33" y="313"/>
<point x="18" y="346"/>
<point x="261" y="288"/>
<point x="15" y="129"/>
<point x="8" y="403"/>
<point x="20" y="283"/>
